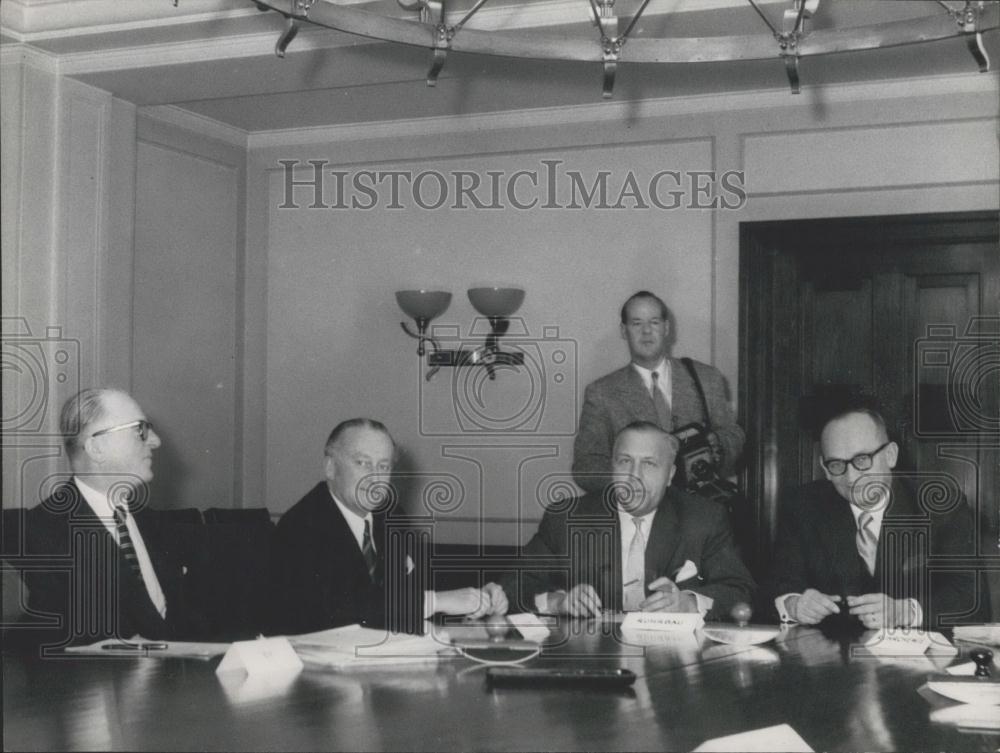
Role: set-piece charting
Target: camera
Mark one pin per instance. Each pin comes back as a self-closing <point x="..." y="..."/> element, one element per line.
<point x="695" y="459"/>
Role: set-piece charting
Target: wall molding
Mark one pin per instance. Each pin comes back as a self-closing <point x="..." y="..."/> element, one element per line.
<point x="622" y="110"/>
<point x="195" y="123"/>
<point x="22" y="54"/>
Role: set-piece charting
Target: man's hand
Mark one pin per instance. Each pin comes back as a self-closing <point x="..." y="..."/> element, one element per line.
<point x="472" y="602"/>
<point x="811" y="606"/>
<point x="498" y="599"/>
<point x="580" y="601"/>
<point x="880" y="611"/>
<point x="666" y="597"/>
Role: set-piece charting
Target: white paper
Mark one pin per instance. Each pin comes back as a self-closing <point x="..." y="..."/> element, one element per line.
<point x="898" y="642"/>
<point x="988" y="633"/>
<point x="356" y="646"/>
<point x="686" y="622"/>
<point x="781" y="737"/>
<point x="528" y="625"/>
<point x="264" y="657"/>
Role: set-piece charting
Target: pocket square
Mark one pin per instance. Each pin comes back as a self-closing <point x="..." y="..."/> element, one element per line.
<point x="410" y="567"/>
<point x="688" y="571"/>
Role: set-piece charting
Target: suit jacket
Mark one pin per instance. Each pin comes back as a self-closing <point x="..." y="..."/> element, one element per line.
<point x="90" y="587"/>
<point x="614" y="401"/>
<point x="816" y="548"/>
<point x="321" y="579"/>
<point x="580" y="542"/>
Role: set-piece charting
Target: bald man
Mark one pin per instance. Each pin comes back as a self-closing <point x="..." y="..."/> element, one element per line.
<point x="858" y="543"/>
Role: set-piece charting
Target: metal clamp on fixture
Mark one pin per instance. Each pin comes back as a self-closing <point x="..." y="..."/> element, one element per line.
<point x="968" y="21"/>
<point x="433" y="12"/>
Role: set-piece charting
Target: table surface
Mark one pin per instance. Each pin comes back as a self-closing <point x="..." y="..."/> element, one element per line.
<point x="689" y="689"/>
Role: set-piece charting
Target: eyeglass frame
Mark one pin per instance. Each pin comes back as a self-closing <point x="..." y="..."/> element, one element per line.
<point x="870" y="455"/>
<point x="142" y="425"/>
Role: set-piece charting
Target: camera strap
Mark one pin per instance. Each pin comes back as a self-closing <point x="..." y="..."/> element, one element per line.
<point x="689" y="365"/>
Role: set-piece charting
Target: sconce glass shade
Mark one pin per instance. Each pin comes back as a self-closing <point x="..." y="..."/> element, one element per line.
<point x="496" y="302"/>
<point x="423" y="304"/>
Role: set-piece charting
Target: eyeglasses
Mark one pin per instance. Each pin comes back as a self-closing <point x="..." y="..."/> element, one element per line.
<point x="861" y="462"/>
<point x="143" y="428"/>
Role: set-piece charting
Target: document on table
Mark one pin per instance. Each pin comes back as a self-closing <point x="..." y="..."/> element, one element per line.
<point x="355" y="646"/>
<point x="779" y="737"/>
<point x="156" y="649"/>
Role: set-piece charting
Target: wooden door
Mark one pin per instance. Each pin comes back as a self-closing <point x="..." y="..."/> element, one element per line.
<point x="903" y="312"/>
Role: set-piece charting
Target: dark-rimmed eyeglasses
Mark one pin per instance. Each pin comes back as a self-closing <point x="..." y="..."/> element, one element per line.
<point x="142" y="429"/>
<point x="861" y="462"/>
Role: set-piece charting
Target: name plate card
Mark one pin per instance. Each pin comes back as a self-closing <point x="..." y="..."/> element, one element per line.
<point x="262" y="657"/>
<point x="912" y="642"/>
<point x="674" y="622"/>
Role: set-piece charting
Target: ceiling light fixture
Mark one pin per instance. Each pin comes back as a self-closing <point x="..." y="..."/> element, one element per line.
<point x="788" y="40"/>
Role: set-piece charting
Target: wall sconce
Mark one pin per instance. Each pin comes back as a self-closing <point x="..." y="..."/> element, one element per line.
<point x="496" y="304"/>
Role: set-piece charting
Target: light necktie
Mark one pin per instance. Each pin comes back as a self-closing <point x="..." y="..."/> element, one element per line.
<point x="368" y="550"/>
<point x="867" y="540"/>
<point x="125" y="545"/>
<point x="660" y="402"/>
<point x="634" y="578"/>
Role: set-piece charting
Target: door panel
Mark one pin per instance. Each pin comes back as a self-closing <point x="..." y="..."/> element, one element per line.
<point x="903" y="312"/>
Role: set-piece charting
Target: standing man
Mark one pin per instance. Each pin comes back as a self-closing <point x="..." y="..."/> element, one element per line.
<point x="858" y="542"/>
<point x="338" y="561"/>
<point x="107" y="573"/>
<point x="640" y="546"/>
<point x="651" y="388"/>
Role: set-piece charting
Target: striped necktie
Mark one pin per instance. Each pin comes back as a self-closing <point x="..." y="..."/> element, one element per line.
<point x="125" y="545"/>
<point x="660" y="403"/>
<point x="867" y="540"/>
<point x="368" y="550"/>
<point x="634" y="579"/>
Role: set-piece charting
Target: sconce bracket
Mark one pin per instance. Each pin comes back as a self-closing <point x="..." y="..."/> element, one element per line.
<point x="477" y="357"/>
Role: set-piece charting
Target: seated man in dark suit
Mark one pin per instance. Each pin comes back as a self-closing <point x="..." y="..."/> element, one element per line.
<point x="339" y="559"/>
<point x="859" y="536"/>
<point x="642" y="546"/>
<point x="107" y="572"/>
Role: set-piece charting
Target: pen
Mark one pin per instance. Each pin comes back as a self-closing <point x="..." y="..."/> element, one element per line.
<point x="631" y="582"/>
<point x="134" y="646"/>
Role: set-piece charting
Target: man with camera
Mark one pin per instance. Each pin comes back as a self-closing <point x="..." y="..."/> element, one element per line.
<point x="640" y="545"/>
<point x="665" y="391"/>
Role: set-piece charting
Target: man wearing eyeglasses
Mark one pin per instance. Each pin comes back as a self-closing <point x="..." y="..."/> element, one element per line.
<point x="857" y="543"/>
<point x="109" y="575"/>
<point x="341" y="557"/>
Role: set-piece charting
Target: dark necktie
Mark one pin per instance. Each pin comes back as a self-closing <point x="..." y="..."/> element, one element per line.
<point x="368" y="550"/>
<point x="125" y="545"/>
<point x="660" y="402"/>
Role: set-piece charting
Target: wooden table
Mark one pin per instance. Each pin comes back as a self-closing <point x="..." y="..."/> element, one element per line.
<point x="687" y="691"/>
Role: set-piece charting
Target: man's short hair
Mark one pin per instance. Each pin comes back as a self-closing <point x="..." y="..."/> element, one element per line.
<point x="664" y="311"/>
<point x="861" y="410"/>
<point x="649" y="426"/>
<point x="78" y="413"/>
<point x="354" y="423"/>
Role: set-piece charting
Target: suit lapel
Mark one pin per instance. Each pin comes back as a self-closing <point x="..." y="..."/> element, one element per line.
<point x="634" y="393"/>
<point x="837" y="532"/>
<point x="664" y="540"/>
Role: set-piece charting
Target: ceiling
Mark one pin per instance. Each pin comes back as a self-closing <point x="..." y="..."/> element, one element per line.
<point x="215" y="58"/>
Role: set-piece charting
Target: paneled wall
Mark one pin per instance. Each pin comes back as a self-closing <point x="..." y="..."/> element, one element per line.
<point x="333" y="343"/>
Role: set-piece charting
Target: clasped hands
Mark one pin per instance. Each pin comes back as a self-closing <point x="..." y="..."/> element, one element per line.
<point x="582" y="600"/>
<point x="472" y="602"/>
<point x="876" y="610"/>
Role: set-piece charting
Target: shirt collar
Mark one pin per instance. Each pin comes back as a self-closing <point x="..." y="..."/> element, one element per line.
<point x="877" y="513"/>
<point x="647" y="374"/>
<point x="624" y="517"/>
<point x="98" y="501"/>
<point x="353" y="519"/>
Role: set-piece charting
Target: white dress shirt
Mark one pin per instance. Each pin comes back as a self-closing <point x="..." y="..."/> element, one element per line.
<point x="356" y="523"/>
<point x="103" y="509"/>
<point x="663" y="377"/>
